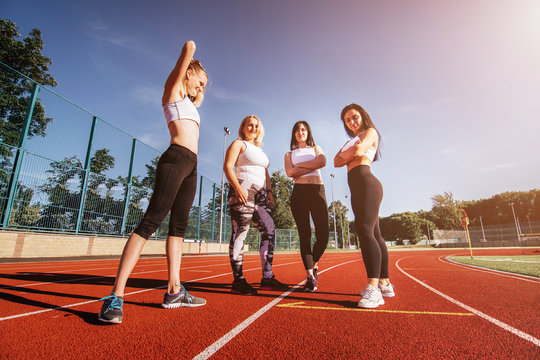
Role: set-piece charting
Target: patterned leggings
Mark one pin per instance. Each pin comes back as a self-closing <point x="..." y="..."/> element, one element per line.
<point x="241" y="216"/>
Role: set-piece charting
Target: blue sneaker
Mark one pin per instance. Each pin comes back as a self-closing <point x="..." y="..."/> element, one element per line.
<point x="111" y="311"/>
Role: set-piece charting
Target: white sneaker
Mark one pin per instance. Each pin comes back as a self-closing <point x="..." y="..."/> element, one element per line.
<point x="387" y="290"/>
<point x="371" y="297"/>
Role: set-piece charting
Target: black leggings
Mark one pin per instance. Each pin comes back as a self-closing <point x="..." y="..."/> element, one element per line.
<point x="174" y="190"/>
<point x="366" y="197"/>
<point x="306" y="199"/>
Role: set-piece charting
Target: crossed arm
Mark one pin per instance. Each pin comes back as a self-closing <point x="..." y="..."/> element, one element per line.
<point x="307" y="166"/>
<point x="358" y="150"/>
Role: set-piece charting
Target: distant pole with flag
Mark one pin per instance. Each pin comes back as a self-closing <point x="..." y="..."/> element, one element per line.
<point x="466" y="226"/>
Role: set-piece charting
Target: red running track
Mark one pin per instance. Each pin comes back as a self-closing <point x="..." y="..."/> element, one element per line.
<point x="441" y="310"/>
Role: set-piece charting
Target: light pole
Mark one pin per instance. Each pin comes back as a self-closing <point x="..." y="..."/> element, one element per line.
<point x="515" y="221"/>
<point x="226" y="132"/>
<point x="334" y="206"/>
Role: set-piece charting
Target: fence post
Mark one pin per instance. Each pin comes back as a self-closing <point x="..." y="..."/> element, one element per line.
<point x="128" y="187"/>
<point x="199" y="210"/>
<point x="213" y="209"/>
<point x="290" y="239"/>
<point x="19" y="156"/>
<point x="86" y="174"/>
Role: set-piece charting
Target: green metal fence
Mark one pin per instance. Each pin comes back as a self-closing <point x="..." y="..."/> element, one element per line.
<point x="85" y="176"/>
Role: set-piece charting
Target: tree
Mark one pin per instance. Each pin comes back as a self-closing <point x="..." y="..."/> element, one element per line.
<point x="446" y="212"/>
<point x="405" y="226"/>
<point x="282" y="190"/>
<point x="15" y="90"/>
<point x="341" y="221"/>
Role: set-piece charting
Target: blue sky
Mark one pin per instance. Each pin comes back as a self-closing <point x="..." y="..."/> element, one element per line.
<point x="453" y="86"/>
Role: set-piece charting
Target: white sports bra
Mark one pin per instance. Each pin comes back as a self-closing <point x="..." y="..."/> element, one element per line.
<point x="181" y="110"/>
<point x="300" y="155"/>
<point x="370" y="153"/>
<point x="251" y="165"/>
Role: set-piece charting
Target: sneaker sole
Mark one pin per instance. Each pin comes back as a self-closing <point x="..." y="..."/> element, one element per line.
<point x="242" y="293"/>
<point x="388" y="295"/>
<point x="271" y="288"/>
<point x="174" y="306"/>
<point x="311" y="290"/>
<point x="110" y="321"/>
<point x="370" y="306"/>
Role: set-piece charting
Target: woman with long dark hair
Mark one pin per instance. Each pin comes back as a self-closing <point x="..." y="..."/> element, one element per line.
<point x="366" y="196"/>
<point x="303" y="164"/>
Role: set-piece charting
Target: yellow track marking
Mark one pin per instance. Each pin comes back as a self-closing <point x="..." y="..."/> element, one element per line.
<point x="299" y="305"/>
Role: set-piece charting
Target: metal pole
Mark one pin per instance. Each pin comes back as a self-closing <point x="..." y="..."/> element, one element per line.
<point x="226" y="132"/>
<point x="128" y="187"/>
<point x="529" y="221"/>
<point x="19" y="157"/>
<point x="86" y="174"/>
<point x="428" y="236"/>
<point x="334" y="206"/>
<point x="483" y="233"/>
<point x="213" y="210"/>
<point x="515" y="221"/>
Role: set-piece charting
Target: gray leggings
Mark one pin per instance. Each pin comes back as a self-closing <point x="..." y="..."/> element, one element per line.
<point x="241" y="216"/>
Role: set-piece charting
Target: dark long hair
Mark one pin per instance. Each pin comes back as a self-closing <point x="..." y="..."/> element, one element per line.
<point x="366" y="124"/>
<point x="309" y="142"/>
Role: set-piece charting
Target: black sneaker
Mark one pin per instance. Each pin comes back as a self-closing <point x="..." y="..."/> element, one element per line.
<point x="182" y="298"/>
<point x="311" y="284"/>
<point x="315" y="273"/>
<point x="272" y="284"/>
<point x="241" y="286"/>
<point x="111" y="311"/>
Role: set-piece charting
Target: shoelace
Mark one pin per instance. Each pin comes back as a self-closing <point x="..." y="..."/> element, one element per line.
<point x="116" y="303"/>
<point x="187" y="295"/>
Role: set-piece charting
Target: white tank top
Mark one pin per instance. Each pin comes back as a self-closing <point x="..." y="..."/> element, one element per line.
<point x="251" y="165"/>
<point x="181" y="110"/>
<point x="300" y="155"/>
<point x="370" y="153"/>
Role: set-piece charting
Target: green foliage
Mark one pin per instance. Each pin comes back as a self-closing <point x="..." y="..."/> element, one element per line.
<point x="341" y="221"/>
<point x="24" y="56"/>
<point x="282" y="190"/>
<point x="405" y="226"/>
<point x="446" y="212"/>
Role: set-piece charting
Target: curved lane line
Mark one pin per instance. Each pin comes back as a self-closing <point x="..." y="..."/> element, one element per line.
<point x="212" y="349"/>
<point x="490" y="271"/>
<point x="499" y="323"/>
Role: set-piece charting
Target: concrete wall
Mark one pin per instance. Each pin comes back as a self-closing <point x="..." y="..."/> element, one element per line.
<point x="29" y="245"/>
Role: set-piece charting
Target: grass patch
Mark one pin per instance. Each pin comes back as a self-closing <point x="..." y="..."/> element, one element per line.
<point x="519" y="264"/>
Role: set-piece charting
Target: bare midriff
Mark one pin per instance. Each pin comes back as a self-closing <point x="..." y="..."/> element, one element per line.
<point x="308" y="180"/>
<point x="358" y="162"/>
<point x="185" y="133"/>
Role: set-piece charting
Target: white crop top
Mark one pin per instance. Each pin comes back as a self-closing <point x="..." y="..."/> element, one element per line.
<point x="251" y="165"/>
<point x="370" y="153"/>
<point x="300" y="155"/>
<point x="181" y="110"/>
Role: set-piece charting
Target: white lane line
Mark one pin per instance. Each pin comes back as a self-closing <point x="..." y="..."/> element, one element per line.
<point x="131" y="293"/>
<point x="490" y="271"/>
<point x="212" y="349"/>
<point x="499" y="323"/>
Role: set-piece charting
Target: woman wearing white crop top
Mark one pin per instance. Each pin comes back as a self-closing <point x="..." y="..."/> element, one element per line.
<point x="366" y="197"/>
<point x="303" y="164"/>
<point x="249" y="198"/>
<point x="174" y="190"/>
